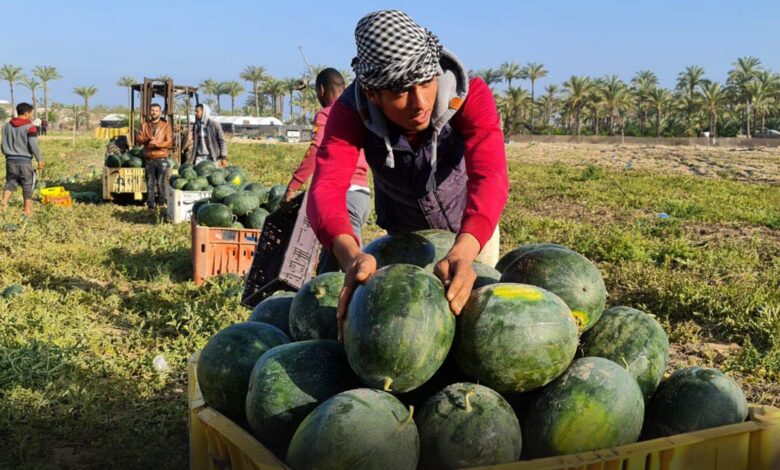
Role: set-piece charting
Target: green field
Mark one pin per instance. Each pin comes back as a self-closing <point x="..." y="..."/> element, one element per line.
<point x="107" y="289"/>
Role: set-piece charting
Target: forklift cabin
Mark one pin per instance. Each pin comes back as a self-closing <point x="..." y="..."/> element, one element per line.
<point x="170" y="93"/>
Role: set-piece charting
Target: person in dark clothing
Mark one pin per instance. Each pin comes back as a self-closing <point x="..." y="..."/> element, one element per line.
<point x="44" y="126"/>
<point x="156" y="136"/>
<point x="20" y="145"/>
<point x="208" y="139"/>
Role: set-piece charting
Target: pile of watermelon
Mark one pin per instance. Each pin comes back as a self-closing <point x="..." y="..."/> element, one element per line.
<point x="133" y="158"/>
<point x="534" y="366"/>
<point x="234" y="201"/>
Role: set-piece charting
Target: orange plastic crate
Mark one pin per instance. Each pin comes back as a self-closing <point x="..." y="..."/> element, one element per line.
<point x="218" y="251"/>
<point x="57" y="198"/>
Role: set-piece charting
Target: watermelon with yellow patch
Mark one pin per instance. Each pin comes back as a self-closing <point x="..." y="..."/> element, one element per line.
<point x="595" y="404"/>
<point x="567" y="274"/>
<point x="515" y="337"/>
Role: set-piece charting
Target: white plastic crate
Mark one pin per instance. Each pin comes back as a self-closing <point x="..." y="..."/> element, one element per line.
<point x="180" y="203"/>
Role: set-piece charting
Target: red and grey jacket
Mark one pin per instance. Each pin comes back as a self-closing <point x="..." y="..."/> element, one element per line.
<point x="20" y="140"/>
<point x="452" y="176"/>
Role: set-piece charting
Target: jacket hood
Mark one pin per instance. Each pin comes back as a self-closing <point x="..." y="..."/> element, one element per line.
<point x="206" y="113"/>
<point x="19" y="122"/>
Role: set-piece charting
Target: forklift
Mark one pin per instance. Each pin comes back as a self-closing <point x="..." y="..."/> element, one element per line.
<point x="122" y="181"/>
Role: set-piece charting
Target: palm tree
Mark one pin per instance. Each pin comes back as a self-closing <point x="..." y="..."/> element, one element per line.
<point x="86" y="92"/>
<point x="348" y="76"/>
<point x="578" y="89"/>
<point x="233" y="89"/>
<point x="510" y="71"/>
<point x="127" y="82"/>
<point x="688" y="82"/>
<point x="293" y="84"/>
<point x="221" y="89"/>
<point x="660" y="99"/>
<point x="549" y="102"/>
<point x="46" y="74"/>
<point x="490" y="76"/>
<point x="209" y="86"/>
<point x="533" y="72"/>
<point x="713" y="100"/>
<point x="644" y="81"/>
<point x="513" y="106"/>
<point x="32" y="84"/>
<point x="616" y="97"/>
<point x="12" y="74"/>
<point x="163" y="78"/>
<point x="275" y="89"/>
<point x="255" y="74"/>
<point x="744" y="72"/>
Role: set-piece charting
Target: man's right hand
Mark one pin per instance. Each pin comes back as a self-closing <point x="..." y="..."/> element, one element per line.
<point x="362" y="268"/>
<point x="358" y="266"/>
<point x="41" y="165"/>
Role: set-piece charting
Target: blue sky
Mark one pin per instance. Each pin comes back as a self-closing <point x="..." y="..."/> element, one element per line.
<point x="95" y="42"/>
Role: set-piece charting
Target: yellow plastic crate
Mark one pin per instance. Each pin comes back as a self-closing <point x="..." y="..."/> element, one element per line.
<point x="55" y="191"/>
<point x="217" y="443"/>
<point x="123" y="181"/>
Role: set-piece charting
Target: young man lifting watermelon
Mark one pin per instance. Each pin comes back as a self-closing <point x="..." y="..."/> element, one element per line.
<point x="434" y="144"/>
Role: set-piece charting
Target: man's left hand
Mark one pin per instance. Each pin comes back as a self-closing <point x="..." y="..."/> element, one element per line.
<point x="222" y="162"/>
<point x="456" y="272"/>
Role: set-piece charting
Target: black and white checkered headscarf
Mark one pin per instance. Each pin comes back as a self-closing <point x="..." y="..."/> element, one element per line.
<point x="394" y="52"/>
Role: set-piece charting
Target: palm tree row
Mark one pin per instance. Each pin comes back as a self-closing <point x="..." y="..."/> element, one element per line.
<point x="40" y="77"/>
<point x="749" y="99"/>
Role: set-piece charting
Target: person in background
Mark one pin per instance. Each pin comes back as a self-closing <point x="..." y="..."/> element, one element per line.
<point x="156" y="136"/>
<point x="433" y="140"/>
<point x="44" y="126"/>
<point x="329" y="85"/>
<point x="20" y="145"/>
<point x="208" y="140"/>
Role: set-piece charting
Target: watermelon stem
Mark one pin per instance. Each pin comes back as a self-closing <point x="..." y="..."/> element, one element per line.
<point x="408" y="418"/>
<point x="467" y="398"/>
<point x="388" y="384"/>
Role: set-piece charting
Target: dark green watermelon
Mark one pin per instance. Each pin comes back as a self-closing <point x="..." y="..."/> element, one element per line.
<point x="399" y="248"/>
<point x="222" y="191"/>
<point x="692" y="399"/>
<point x="259" y="190"/>
<point x="275" y="310"/>
<point x="510" y="257"/>
<point x="179" y="183"/>
<point x="288" y="382"/>
<point x="358" y="429"/>
<point x="485" y="275"/>
<point x="216" y="178"/>
<point x="205" y="168"/>
<point x="515" y="337"/>
<point x="399" y="328"/>
<point x="274" y="197"/>
<point x="186" y="166"/>
<point x="442" y="241"/>
<point x="191" y="186"/>
<point x="188" y="173"/>
<point x="11" y="291"/>
<point x="226" y="363"/>
<point x="197" y="205"/>
<point x="172" y="180"/>
<point x="567" y="274"/>
<point x="202" y="182"/>
<point x="313" y="310"/>
<point x="137" y="151"/>
<point x="242" y="202"/>
<point x="595" y="404"/>
<point x="467" y="425"/>
<point x="86" y="197"/>
<point x="125" y="158"/>
<point x="237" y="225"/>
<point x="255" y="219"/>
<point x="633" y="339"/>
<point x="113" y="161"/>
<point x="135" y="162"/>
<point x="214" y="215"/>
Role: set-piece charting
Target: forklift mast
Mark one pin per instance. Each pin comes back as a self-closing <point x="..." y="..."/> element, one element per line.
<point x="165" y="89"/>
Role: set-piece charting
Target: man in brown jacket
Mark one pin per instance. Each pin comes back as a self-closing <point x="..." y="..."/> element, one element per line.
<point x="157" y="138"/>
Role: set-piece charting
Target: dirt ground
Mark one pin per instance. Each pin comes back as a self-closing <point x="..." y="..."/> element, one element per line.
<point x="757" y="165"/>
